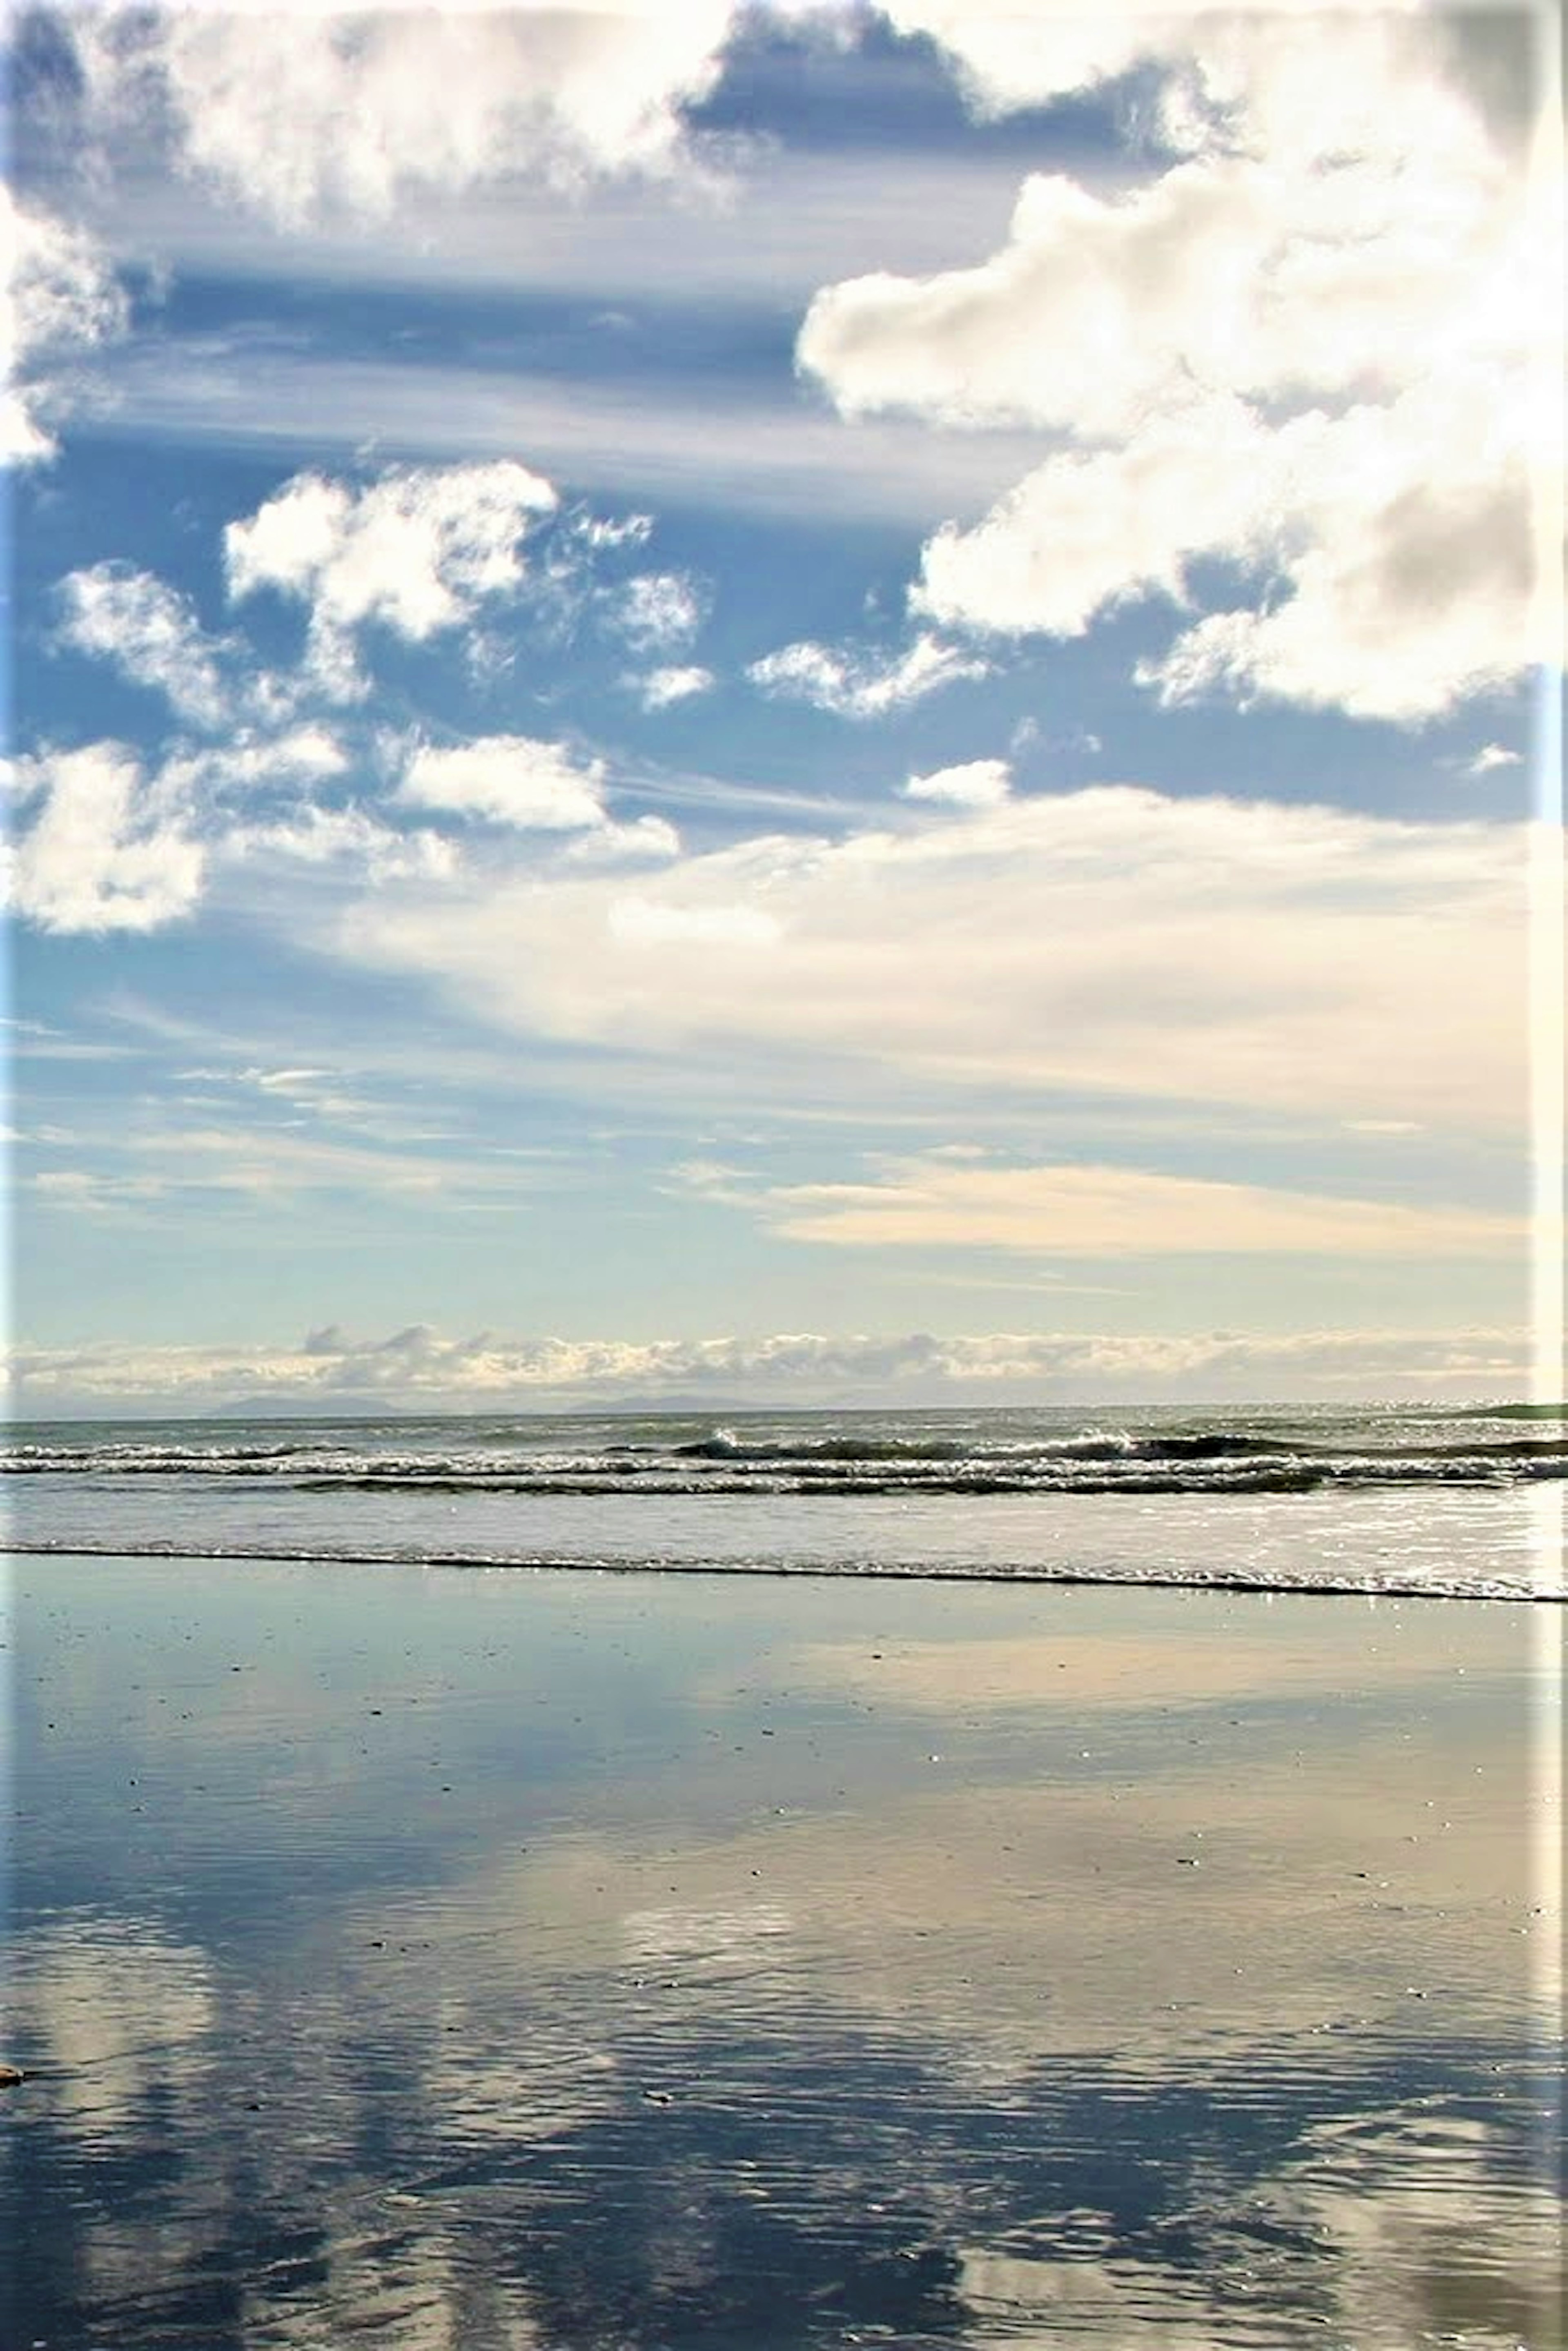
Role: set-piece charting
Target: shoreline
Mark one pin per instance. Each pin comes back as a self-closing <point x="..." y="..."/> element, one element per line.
<point x="1223" y="1579"/>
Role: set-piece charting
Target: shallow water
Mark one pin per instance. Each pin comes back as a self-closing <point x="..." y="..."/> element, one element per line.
<point x="510" y="1959"/>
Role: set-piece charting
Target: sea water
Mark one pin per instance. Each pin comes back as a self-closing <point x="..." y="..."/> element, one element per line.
<point x="1442" y="1500"/>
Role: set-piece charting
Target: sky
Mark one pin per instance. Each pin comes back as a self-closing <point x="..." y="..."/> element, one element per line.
<point x="802" y="705"/>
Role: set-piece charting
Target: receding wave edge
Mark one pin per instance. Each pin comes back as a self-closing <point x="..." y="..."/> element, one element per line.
<point x="1334" y="1584"/>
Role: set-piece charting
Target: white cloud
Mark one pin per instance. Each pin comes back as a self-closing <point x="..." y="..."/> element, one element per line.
<point x="1108" y="942"/>
<point x="112" y="848"/>
<point x="597" y="532"/>
<point x="1320" y="345"/>
<point x="652" y="922"/>
<point x="1027" y="55"/>
<point x="978" y="783"/>
<point x="1117" y="1212"/>
<point x="1413" y="588"/>
<point x="1490" y="758"/>
<point x="104" y="851"/>
<point x="512" y="779"/>
<point x="647" y="839"/>
<point x="1089" y="529"/>
<point x="1261" y="275"/>
<point x="350" y="837"/>
<point x="303" y="754"/>
<point x="260" y="1163"/>
<point x="658" y="610"/>
<point x="1030" y="52"/>
<point x="855" y="685"/>
<point x="307" y="110"/>
<point x="421" y="1366"/>
<point x="150" y="632"/>
<point x="660" y="689"/>
<point x="58" y="295"/>
<point x="417" y="552"/>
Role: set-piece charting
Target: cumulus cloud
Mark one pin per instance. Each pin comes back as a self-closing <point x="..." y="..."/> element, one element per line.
<point x="978" y="783"/>
<point x="310" y="111"/>
<point x="105" y="850"/>
<point x="1316" y="344"/>
<point x="1414" y="589"/>
<point x="1082" y="1211"/>
<point x="418" y="1366"/>
<point x="58" y="295"/>
<point x="857" y="685"/>
<point x="1109" y="942"/>
<point x="512" y="779"/>
<point x="661" y="689"/>
<point x="417" y="552"/>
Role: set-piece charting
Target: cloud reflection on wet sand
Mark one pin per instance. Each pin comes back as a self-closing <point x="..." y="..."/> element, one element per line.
<point x="858" y="1973"/>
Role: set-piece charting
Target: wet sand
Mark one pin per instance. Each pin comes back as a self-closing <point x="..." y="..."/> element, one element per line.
<point x="559" y="1959"/>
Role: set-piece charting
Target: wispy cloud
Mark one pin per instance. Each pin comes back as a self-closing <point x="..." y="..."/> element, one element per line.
<point x="1100" y="1211"/>
<point x="261" y="1161"/>
<point x="151" y="634"/>
<point x="740" y="447"/>
<point x="853" y="685"/>
<point x="1112" y="943"/>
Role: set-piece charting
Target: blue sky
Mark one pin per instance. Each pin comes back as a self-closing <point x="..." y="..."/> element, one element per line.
<point x="821" y="703"/>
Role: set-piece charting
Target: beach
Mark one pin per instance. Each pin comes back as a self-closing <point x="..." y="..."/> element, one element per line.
<point x="498" y="1957"/>
<point x="782" y="1511"/>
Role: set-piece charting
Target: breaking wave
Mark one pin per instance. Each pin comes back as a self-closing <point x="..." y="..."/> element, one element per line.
<point x="956" y="1454"/>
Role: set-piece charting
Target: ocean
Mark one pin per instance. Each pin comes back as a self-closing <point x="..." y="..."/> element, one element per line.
<point x="1463" y="1501"/>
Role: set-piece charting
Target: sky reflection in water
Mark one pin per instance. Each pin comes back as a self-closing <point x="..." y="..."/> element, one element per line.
<point x="502" y="1961"/>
